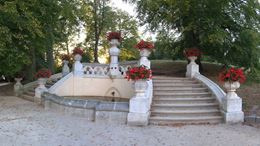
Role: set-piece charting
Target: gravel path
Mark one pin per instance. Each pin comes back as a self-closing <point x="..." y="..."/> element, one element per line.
<point x="24" y="123"/>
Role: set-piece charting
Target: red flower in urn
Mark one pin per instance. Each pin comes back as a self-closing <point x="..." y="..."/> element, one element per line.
<point x="78" y="51"/>
<point x="232" y="75"/>
<point x="139" y="73"/>
<point x="192" y="52"/>
<point x="43" y="73"/>
<point x="114" y="35"/>
<point x="65" y="57"/>
<point x="144" y="45"/>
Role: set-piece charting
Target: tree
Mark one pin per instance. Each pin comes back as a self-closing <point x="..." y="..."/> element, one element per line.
<point x="218" y="28"/>
<point x="112" y="20"/>
<point x="29" y="30"/>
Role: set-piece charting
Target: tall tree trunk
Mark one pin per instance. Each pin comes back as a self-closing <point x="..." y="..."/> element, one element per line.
<point x="95" y="7"/>
<point x="31" y="69"/>
<point x="50" y="58"/>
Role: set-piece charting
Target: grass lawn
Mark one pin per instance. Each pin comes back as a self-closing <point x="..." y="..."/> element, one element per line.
<point x="249" y="91"/>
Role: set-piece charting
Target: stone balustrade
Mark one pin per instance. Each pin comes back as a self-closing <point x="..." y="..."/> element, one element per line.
<point x="103" y="70"/>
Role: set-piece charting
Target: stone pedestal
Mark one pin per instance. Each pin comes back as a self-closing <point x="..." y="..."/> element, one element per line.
<point x="139" y="105"/>
<point x="114" y="53"/>
<point x="144" y="53"/>
<point x="18" y="87"/>
<point x="40" y="89"/>
<point x="232" y="104"/>
<point x="77" y="66"/>
<point x="192" y="68"/>
<point x="65" y="68"/>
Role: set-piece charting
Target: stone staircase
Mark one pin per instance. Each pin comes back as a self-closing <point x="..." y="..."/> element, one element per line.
<point x="29" y="94"/>
<point x="182" y="101"/>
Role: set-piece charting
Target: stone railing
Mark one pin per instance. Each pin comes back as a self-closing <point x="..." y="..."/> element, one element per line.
<point x="230" y="103"/>
<point x="102" y="70"/>
<point x="216" y="90"/>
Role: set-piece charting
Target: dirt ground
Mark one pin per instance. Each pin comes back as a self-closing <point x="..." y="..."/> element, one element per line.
<point x="249" y="92"/>
<point x="23" y="123"/>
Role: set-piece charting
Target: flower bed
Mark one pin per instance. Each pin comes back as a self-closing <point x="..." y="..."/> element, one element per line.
<point x="232" y="75"/>
<point x="43" y="73"/>
<point x="192" y="52"/>
<point x="65" y="57"/>
<point x="139" y="73"/>
<point x="114" y="35"/>
<point x="144" y="45"/>
<point x="78" y="51"/>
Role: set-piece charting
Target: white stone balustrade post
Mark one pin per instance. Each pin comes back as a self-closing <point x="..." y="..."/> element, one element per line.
<point x="65" y="68"/>
<point x="78" y="66"/>
<point x="192" y="68"/>
<point x="232" y="104"/>
<point x="139" y="107"/>
<point x="18" y="87"/>
<point x="40" y="89"/>
<point x="144" y="54"/>
<point x="114" y="53"/>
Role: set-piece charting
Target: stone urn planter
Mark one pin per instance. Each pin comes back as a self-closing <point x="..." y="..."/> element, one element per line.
<point x="78" y="67"/>
<point x="192" y="59"/>
<point x="140" y="87"/>
<point x="114" y="42"/>
<point x="41" y="87"/>
<point x="42" y="83"/>
<point x="192" y="68"/>
<point x="65" y="68"/>
<point x="144" y="53"/>
<point x="18" y="87"/>
<point x="78" y="57"/>
<point x="231" y="88"/>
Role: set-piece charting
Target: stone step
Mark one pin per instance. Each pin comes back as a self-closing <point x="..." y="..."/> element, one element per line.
<point x="176" y="85"/>
<point x="27" y="97"/>
<point x="185" y="120"/>
<point x="202" y="94"/>
<point x="174" y="81"/>
<point x="185" y="106"/>
<point x="168" y="78"/>
<point x="185" y="113"/>
<point x="184" y="100"/>
<point x="178" y="90"/>
<point x="30" y="93"/>
<point x="158" y="88"/>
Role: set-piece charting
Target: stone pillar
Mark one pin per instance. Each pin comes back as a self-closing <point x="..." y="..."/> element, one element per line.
<point x="65" y="68"/>
<point x="77" y="66"/>
<point x="114" y="53"/>
<point x="18" y="87"/>
<point x="144" y="53"/>
<point x="232" y="104"/>
<point x="192" y="68"/>
<point x="40" y="89"/>
<point x="139" y="107"/>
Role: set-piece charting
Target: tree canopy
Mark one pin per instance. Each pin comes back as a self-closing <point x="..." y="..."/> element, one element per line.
<point x="227" y="31"/>
<point x="35" y="32"/>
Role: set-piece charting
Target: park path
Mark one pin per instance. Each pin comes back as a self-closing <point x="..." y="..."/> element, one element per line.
<point x="23" y="123"/>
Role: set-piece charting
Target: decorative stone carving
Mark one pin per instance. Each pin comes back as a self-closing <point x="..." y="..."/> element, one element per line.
<point x="65" y="68"/>
<point x="144" y="53"/>
<point x="78" y="67"/>
<point x="18" y="87"/>
<point x="232" y="104"/>
<point x="192" y="67"/>
<point x="114" y="53"/>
